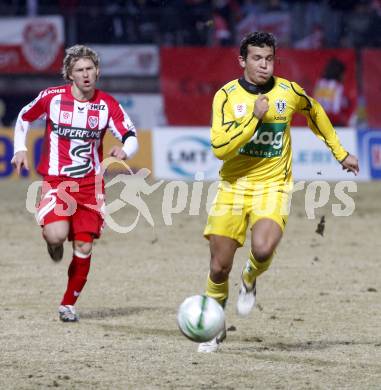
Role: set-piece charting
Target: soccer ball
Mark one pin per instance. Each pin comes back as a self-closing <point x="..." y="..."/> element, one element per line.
<point x="200" y="318"/>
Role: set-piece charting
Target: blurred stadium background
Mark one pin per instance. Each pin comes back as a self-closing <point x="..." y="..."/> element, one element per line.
<point x="165" y="59"/>
<point x="318" y="322"/>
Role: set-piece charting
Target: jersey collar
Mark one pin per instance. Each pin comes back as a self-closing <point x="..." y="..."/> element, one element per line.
<point x="256" y="89"/>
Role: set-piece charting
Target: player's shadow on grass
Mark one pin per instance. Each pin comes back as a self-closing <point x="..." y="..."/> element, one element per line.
<point x="258" y="345"/>
<point x="117" y="312"/>
<point x="142" y="332"/>
<point x="288" y="352"/>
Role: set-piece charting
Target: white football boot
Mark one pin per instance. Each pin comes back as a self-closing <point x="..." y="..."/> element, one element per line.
<point x="246" y="298"/>
<point x="214" y="344"/>
<point x="67" y="313"/>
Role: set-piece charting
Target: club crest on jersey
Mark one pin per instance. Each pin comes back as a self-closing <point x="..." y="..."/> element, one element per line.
<point x="240" y="110"/>
<point x="92" y="121"/>
<point x="40" y="44"/>
<point x="65" y="117"/>
<point x="280" y="105"/>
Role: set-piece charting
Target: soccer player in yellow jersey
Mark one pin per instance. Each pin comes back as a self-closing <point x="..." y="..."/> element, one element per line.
<point x="251" y="134"/>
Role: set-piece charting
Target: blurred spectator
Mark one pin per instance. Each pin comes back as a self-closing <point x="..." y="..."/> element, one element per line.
<point x="228" y="9"/>
<point x="276" y="5"/>
<point x="2" y="112"/>
<point x="357" y="31"/>
<point x="250" y="7"/>
<point x="13" y="7"/>
<point x="315" y="40"/>
<point x="330" y="92"/>
<point x="114" y="9"/>
<point x="341" y="5"/>
<point x="221" y="33"/>
<point x="272" y="16"/>
<point x="100" y="28"/>
<point x="226" y="14"/>
<point x="376" y="6"/>
<point x="32" y="7"/>
<point x="296" y="23"/>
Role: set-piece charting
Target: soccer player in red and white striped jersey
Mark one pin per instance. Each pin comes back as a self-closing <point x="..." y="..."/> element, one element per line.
<point x="77" y="116"/>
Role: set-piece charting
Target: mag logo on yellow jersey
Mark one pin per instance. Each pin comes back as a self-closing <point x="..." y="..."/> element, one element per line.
<point x="267" y="141"/>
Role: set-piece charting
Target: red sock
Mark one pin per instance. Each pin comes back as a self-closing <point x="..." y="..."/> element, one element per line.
<point x="77" y="273"/>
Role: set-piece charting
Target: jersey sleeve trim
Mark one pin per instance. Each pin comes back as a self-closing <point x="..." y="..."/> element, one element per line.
<point x="129" y="133"/>
<point x="318" y="121"/>
<point x="308" y="108"/>
<point x="223" y="114"/>
<point x="227" y="143"/>
<point x="342" y="160"/>
<point x="309" y="105"/>
<point x="231" y="124"/>
<point x="238" y="134"/>
<point x="321" y="134"/>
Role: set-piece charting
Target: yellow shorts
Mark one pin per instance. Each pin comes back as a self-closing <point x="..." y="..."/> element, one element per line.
<point x="235" y="209"/>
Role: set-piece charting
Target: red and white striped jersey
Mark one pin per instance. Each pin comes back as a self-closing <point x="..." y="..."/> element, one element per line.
<point x="74" y="130"/>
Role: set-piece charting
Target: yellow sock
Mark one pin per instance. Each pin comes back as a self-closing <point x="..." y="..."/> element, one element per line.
<point x="218" y="291"/>
<point x="254" y="268"/>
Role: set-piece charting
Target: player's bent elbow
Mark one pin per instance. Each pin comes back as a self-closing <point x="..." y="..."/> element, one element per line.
<point x="224" y="154"/>
<point x="221" y="153"/>
<point x="218" y="154"/>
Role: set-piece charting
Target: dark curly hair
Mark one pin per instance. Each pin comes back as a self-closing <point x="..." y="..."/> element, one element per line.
<point x="257" y="38"/>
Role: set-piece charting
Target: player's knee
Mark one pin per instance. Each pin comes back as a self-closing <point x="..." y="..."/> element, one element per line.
<point x="219" y="268"/>
<point x="83" y="243"/>
<point x="262" y="250"/>
<point x="84" y="248"/>
<point x="54" y="237"/>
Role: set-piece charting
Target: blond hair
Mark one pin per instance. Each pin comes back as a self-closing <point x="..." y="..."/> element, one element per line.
<point x="73" y="54"/>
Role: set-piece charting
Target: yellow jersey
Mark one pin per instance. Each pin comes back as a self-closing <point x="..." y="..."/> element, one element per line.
<point x="260" y="150"/>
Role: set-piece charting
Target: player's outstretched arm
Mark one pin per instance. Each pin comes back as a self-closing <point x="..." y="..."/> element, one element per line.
<point x="20" y="161"/>
<point x="350" y="164"/>
<point x="319" y="122"/>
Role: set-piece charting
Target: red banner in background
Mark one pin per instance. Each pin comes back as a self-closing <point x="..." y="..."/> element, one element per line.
<point x="31" y="45"/>
<point x="371" y="81"/>
<point x="308" y="68"/>
<point x="189" y="79"/>
<point x="191" y="76"/>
